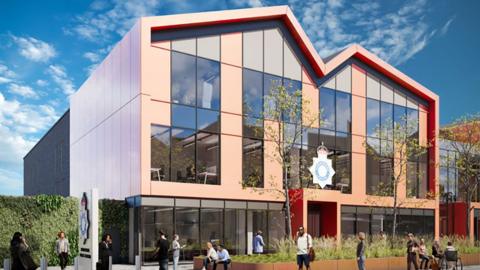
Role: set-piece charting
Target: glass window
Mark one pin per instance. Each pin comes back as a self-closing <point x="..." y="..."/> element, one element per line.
<point x="276" y="221"/>
<point x="155" y="219"/>
<point x="257" y="219"/>
<point x="342" y="171"/>
<point x="208" y="84"/>
<point x="343" y="141"/>
<point x="270" y="83"/>
<point x="252" y="127"/>
<point x="183" y="78"/>
<point x="412" y="123"/>
<point x="208" y="158"/>
<point x="327" y="137"/>
<point x="273" y="52"/>
<point x="373" y="87"/>
<point x="307" y="155"/>
<point x="209" y="47"/>
<point x="373" y="165"/>
<point x="386" y="170"/>
<point x="292" y="87"/>
<point x="253" y="50"/>
<point x="293" y="165"/>
<point x="412" y="179"/>
<point x="344" y="80"/>
<point x="310" y="136"/>
<point x="386" y="93"/>
<point x="183" y="155"/>
<point x="235" y="231"/>
<point x="252" y="162"/>
<point x="344" y="115"/>
<point x="208" y="120"/>
<point x="211" y="226"/>
<point x="400" y="114"/>
<point x="363" y="223"/>
<point x="188" y="227"/>
<point x="185" y="45"/>
<point x="373" y="117"/>
<point x="160" y="153"/>
<point x="386" y="120"/>
<point x="348" y="224"/>
<point x="291" y="66"/>
<point x="252" y="93"/>
<point x="183" y="116"/>
<point x="327" y="105"/>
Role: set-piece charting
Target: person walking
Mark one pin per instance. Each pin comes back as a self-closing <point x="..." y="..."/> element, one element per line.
<point x="162" y="251"/>
<point x="412" y="248"/>
<point x="223" y="258"/>
<point x="422" y="252"/>
<point x="304" y="243"/>
<point x="62" y="248"/>
<point x="176" y="251"/>
<point x="258" y="243"/>
<point x="361" y="251"/>
<point x="212" y="256"/>
<point x="20" y="253"/>
<point x="105" y="251"/>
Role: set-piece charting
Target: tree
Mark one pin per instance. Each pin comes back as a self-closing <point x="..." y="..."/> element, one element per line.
<point x="463" y="137"/>
<point x="397" y="144"/>
<point x="285" y="117"/>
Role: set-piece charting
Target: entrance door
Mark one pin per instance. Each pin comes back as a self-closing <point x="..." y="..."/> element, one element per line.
<point x="314" y="227"/>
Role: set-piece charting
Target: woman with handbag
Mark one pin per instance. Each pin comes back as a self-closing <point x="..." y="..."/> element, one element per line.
<point x="304" y="248"/>
<point x="21" y="259"/>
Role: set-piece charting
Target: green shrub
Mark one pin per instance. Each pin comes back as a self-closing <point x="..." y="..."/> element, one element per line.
<point x="39" y="219"/>
<point x="113" y="216"/>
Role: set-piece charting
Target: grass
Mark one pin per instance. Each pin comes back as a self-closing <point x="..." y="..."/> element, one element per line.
<point x="327" y="249"/>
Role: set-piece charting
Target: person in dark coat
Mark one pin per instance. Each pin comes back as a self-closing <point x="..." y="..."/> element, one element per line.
<point x="21" y="259"/>
<point x="105" y="251"/>
<point x="162" y="251"/>
<point x="361" y="251"/>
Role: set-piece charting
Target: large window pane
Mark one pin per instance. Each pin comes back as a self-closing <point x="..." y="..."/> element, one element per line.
<point x="344" y="115"/>
<point x="252" y="127"/>
<point x="252" y="162"/>
<point x="412" y="123"/>
<point x="257" y="221"/>
<point x="307" y="155"/>
<point x="400" y="115"/>
<point x="211" y="226"/>
<point x="270" y="83"/>
<point x="373" y="165"/>
<point x="183" y="155"/>
<point x="273" y="52"/>
<point x="187" y="227"/>
<point x="155" y="219"/>
<point x="235" y="231"/>
<point x="327" y="137"/>
<point x="160" y="153"/>
<point x="183" y="116"/>
<point x="208" y="84"/>
<point x="327" y="105"/>
<point x="293" y="166"/>
<point x="208" y="120"/>
<point x="208" y="158"/>
<point x="183" y="78"/>
<point x="310" y="136"/>
<point x="386" y="171"/>
<point x="342" y="171"/>
<point x="386" y="120"/>
<point x="412" y="179"/>
<point x="292" y="86"/>
<point x="348" y="224"/>
<point x="276" y="221"/>
<point x="373" y="117"/>
<point x="253" y="50"/>
<point x="252" y="93"/>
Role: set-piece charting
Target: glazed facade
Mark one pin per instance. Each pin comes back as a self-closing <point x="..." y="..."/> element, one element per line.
<point x="172" y="121"/>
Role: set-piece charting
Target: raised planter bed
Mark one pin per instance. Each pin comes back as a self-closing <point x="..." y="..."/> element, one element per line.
<point x="387" y="263"/>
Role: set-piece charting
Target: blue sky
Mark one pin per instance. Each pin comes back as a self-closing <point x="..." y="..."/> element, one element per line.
<point x="48" y="48"/>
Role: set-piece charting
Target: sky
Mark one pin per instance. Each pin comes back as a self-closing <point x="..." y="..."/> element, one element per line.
<point x="48" y="49"/>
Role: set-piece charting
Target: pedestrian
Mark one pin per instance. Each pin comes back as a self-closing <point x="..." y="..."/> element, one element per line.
<point x="176" y="250"/>
<point x="105" y="251"/>
<point x="304" y="244"/>
<point x="422" y="252"/>
<point x="361" y="251"/>
<point x="412" y="248"/>
<point x="62" y="248"/>
<point x="20" y="253"/>
<point x="223" y="258"/>
<point x="212" y="256"/>
<point x="162" y="251"/>
<point x="258" y="243"/>
<point x="437" y="250"/>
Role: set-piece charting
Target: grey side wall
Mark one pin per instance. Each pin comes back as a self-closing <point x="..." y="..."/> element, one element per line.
<point x="46" y="168"/>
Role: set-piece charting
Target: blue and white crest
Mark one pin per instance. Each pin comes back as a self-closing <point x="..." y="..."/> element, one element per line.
<point x="322" y="170"/>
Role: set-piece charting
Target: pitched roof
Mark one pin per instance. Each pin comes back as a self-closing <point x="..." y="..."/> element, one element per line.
<point x="284" y="13"/>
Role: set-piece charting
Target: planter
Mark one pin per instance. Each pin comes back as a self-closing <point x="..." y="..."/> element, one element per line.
<point x="324" y="264"/>
<point x="347" y="264"/>
<point x="397" y="263"/>
<point x="376" y="263"/>
<point x="470" y="259"/>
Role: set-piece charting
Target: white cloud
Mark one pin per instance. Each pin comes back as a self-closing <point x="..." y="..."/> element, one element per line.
<point x="247" y="3"/>
<point x="395" y="35"/>
<point x="93" y="57"/>
<point x="446" y="26"/>
<point x="34" y="49"/>
<point x="11" y="182"/>
<point x="6" y="75"/>
<point x="22" y="90"/>
<point x="60" y="77"/>
<point x="41" y="83"/>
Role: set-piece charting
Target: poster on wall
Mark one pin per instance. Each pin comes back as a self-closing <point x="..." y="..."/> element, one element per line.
<point x="88" y="230"/>
<point x="322" y="170"/>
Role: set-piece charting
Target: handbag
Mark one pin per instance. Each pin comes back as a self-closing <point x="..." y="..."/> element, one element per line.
<point x="311" y="251"/>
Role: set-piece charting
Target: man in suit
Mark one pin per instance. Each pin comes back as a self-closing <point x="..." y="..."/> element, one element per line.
<point x="105" y="251"/>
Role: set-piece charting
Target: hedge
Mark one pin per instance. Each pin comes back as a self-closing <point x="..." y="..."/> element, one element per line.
<point x="39" y="219"/>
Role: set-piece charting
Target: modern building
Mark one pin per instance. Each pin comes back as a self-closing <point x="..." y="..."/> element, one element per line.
<point x="165" y="122"/>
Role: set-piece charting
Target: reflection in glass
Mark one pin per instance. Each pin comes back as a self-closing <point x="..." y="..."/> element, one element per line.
<point x="235" y="231"/>
<point x="208" y="84"/>
<point x="252" y="162"/>
<point x="160" y="153"/>
<point x="373" y="117"/>
<point x="183" y="78"/>
<point x="327" y="104"/>
<point x="343" y="113"/>
<point x="183" y="155"/>
<point x="208" y="120"/>
<point x="252" y="127"/>
<point x="386" y="120"/>
<point x="270" y="83"/>
<point x="187" y="227"/>
<point x="211" y="226"/>
<point x="252" y="93"/>
<point x="208" y="158"/>
<point x="183" y="116"/>
<point x="342" y="171"/>
<point x="155" y="219"/>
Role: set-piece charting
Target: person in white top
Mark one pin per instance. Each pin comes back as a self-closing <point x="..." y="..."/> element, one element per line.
<point x="304" y="244"/>
<point x="62" y="249"/>
<point x="211" y="256"/>
<point x="176" y="251"/>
